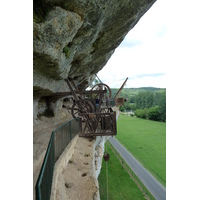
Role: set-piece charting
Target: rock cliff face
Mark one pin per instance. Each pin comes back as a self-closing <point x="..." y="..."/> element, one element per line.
<point x="76" y="39"/>
<point x="73" y="39"/>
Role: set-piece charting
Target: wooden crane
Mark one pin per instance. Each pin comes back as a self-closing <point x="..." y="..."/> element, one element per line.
<point x="120" y="101"/>
<point x="95" y="120"/>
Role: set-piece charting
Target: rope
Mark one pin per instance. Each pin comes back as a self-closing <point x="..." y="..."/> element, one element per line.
<point x="107" y="174"/>
<point x="98" y="78"/>
<point x="106" y="171"/>
<point x="115" y="80"/>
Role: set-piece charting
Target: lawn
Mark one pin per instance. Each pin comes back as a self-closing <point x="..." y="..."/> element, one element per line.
<point x="120" y="185"/>
<point x="146" y="140"/>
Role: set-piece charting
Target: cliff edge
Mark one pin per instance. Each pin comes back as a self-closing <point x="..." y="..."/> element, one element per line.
<point x="73" y="39"/>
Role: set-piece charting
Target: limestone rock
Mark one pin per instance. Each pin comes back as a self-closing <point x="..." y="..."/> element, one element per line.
<point x="76" y="39"/>
<point x="52" y="57"/>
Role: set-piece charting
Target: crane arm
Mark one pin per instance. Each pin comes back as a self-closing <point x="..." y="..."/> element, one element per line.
<point x="120" y="89"/>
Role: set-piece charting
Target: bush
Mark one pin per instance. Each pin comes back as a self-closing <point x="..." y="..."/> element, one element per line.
<point x="154" y="113"/>
<point x="141" y="113"/>
<point x="121" y="108"/>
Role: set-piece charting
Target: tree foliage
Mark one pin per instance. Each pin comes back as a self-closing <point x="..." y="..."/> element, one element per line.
<point x="154" y="103"/>
<point x="151" y="100"/>
<point x="141" y="113"/>
<point x="144" y="100"/>
<point x="153" y="113"/>
<point x="121" y="108"/>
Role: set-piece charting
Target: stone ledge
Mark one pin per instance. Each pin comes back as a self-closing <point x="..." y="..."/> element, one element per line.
<point x="61" y="164"/>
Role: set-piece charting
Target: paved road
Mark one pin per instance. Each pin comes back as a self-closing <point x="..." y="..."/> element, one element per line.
<point x="156" y="189"/>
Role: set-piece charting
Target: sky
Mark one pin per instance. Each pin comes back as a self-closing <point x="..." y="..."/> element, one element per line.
<point x="140" y="55"/>
<point x="148" y="50"/>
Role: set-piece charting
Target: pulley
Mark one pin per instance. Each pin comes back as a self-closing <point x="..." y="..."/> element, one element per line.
<point x="106" y="156"/>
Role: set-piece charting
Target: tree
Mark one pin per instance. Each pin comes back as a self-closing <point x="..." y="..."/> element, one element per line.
<point x="121" y="108"/>
<point x="154" y="103"/>
<point x="131" y="99"/>
<point x="127" y="106"/>
<point x="162" y="106"/>
<point x="144" y="100"/>
<point x="160" y="100"/>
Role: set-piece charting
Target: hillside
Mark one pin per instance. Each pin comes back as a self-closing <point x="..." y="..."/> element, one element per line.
<point x="131" y="92"/>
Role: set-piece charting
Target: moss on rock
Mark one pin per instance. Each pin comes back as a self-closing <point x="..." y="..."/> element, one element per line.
<point x="66" y="51"/>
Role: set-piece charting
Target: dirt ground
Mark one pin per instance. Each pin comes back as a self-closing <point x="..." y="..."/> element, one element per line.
<point x="77" y="181"/>
<point x="78" y="178"/>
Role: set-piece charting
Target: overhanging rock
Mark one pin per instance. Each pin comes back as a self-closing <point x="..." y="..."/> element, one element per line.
<point x="76" y="38"/>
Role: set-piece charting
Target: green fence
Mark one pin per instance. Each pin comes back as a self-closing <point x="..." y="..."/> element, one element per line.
<point x="60" y="138"/>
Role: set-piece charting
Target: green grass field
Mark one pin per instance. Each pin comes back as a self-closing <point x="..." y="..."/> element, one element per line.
<point x="120" y="185"/>
<point x="146" y="140"/>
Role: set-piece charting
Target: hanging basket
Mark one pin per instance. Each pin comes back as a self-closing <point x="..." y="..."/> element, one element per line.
<point x="106" y="156"/>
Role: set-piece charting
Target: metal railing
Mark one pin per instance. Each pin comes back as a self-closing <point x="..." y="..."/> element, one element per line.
<point x="60" y="138"/>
